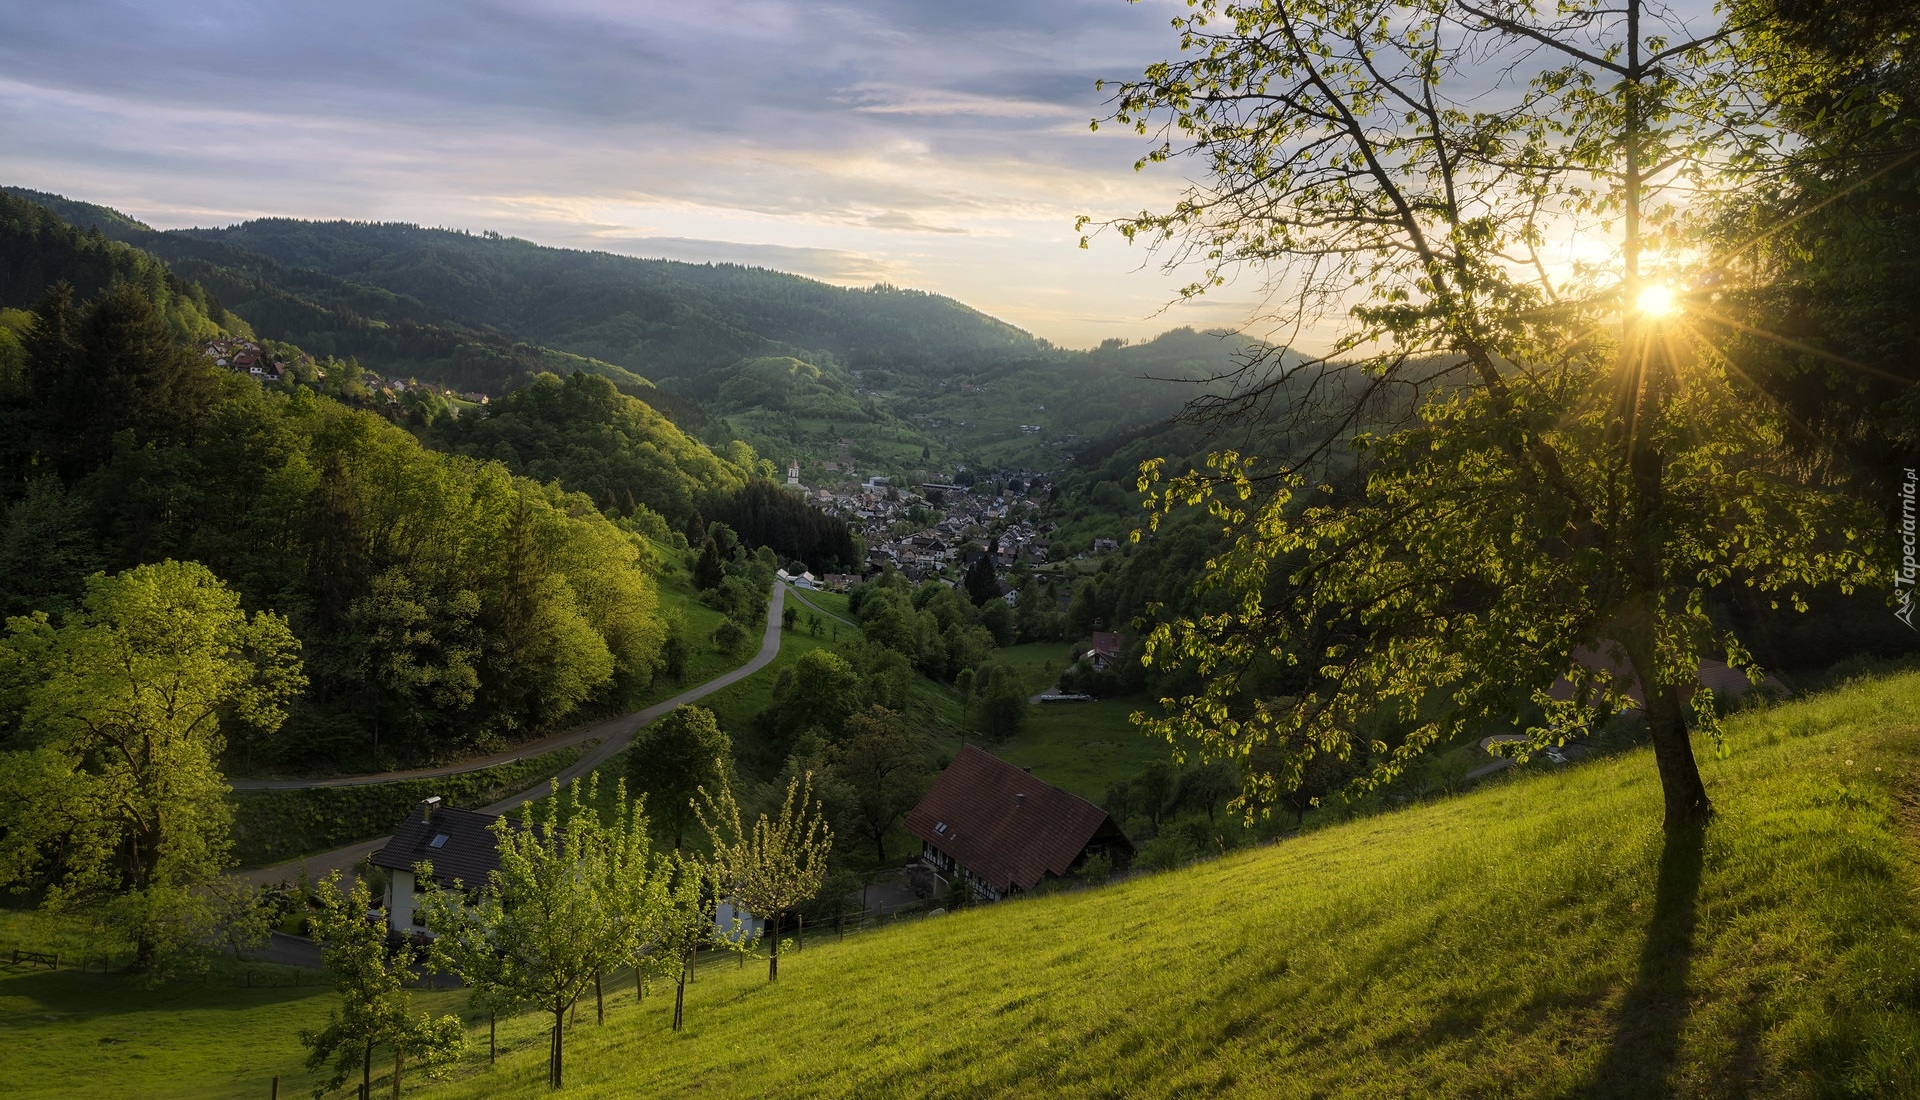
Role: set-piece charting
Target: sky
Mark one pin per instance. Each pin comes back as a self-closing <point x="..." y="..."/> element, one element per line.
<point x="936" y="144"/>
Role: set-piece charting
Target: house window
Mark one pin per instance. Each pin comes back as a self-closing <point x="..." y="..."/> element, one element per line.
<point x="940" y="827"/>
<point x="438" y="841"/>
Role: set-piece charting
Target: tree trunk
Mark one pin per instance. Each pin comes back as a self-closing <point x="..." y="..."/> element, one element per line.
<point x="491" y="1048"/>
<point x="680" y="992"/>
<point x="599" y="1001"/>
<point x="396" y="1072"/>
<point x="553" y="1049"/>
<point x="773" y="957"/>
<point x="366" y="1072"/>
<point x="1683" y="793"/>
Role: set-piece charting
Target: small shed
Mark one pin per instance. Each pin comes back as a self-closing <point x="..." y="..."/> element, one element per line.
<point x="996" y="827"/>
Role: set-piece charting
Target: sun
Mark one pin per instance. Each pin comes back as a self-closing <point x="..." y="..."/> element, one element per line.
<point x="1657" y="300"/>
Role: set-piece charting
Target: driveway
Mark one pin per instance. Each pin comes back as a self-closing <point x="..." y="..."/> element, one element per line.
<point x="614" y="735"/>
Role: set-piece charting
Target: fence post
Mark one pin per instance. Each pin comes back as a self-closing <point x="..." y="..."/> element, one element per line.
<point x="276" y="1087"/>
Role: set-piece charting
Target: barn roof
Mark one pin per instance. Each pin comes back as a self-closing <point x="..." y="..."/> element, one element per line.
<point x="1004" y="825"/>
<point x="465" y="848"/>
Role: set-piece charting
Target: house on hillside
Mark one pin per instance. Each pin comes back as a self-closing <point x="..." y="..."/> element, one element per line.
<point x="1107" y="648"/>
<point x="998" y="829"/>
<point x="459" y="844"/>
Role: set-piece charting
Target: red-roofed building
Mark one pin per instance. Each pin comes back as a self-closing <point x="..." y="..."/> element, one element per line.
<point x="1107" y="648"/>
<point x="1001" y="830"/>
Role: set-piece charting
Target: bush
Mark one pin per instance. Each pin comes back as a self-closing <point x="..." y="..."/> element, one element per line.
<point x="1164" y="853"/>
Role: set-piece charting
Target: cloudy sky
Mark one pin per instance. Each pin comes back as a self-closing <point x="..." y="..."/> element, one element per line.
<point x="940" y="144"/>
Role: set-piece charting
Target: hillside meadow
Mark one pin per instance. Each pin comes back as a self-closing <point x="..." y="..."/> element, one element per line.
<point x="1537" y="937"/>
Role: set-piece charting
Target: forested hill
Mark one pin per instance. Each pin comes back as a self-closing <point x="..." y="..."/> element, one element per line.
<point x="672" y="321"/>
<point x="443" y="605"/>
<point x="894" y="381"/>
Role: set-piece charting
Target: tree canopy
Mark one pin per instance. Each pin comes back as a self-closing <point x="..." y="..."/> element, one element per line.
<point x="1503" y="461"/>
<point x="113" y="795"/>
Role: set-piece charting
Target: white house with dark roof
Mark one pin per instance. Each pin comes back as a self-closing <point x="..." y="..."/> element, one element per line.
<point x="460" y="845"/>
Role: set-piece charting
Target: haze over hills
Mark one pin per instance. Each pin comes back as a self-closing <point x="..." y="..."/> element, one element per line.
<point x="908" y="375"/>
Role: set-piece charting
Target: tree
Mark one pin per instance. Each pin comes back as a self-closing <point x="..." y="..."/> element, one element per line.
<point x="1153" y="791"/>
<point x="688" y="925"/>
<point x="1000" y="700"/>
<point x="241" y="914"/>
<point x="374" y="1007"/>
<point x="112" y="787"/>
<point x="708" y="569"/>
<point x="671" y="760"/>
<point x="982" y="582"/>
<point x="1119" y="801"/>
<point x="576" y="893"/>
<point x="774" y="867"/>
<point x="1545" y="458"/>
<point x="820" y="690"/>
<point x="1205" y="786"/>
<point x="731" y="637"/>
<point x="886" y="769"/>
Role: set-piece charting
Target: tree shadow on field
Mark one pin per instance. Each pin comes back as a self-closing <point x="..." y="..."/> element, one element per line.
<point x="1641" y="1059"/>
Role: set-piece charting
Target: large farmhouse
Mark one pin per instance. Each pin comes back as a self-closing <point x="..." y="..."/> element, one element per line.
<point x="999" y="829"/>
<point x="458" y="843"/>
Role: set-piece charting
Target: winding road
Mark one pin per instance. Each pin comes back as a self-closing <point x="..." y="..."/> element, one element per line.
<point x="612" y="736"/>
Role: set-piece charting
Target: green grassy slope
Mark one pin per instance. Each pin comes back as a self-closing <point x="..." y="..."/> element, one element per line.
<point x="1531" y="939"/>
<point x="1535" y="938"/>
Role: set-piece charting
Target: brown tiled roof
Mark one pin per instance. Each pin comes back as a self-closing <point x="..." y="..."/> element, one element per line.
<point x="467" y="853"/>
<point x="975" y="813"/>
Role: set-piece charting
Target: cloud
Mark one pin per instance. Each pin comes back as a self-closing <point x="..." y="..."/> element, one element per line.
<point x="928" y="144"/>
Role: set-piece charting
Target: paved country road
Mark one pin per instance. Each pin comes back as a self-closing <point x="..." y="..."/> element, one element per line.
<point x="612" y="736"/>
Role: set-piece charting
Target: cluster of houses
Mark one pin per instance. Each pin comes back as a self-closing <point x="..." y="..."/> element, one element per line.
<point x="245" y="357"/>
<point x="249" y="358"/>
<point x="875" y="510"/>
<point x="986" y="826"/>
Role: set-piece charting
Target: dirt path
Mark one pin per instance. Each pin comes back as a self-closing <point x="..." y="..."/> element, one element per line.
<point x="613" y="735"/>
<point x="822" y="610"/>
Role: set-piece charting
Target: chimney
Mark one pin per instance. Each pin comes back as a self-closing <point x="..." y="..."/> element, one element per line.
<point x="427" y="806"/>
<point x="1019" y="799"/>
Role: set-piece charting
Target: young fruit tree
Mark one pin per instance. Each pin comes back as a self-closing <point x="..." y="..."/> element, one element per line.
<point x="778" y="864"/>
<point x="1521" y="455"/>
<point x="111" y="729"/>
<point x="576" y="893"/>
<point x="374" y="1009"/>
<point x="688" y="925"/>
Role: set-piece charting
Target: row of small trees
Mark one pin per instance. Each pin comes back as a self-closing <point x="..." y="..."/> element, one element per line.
<point x="581" y="890"/>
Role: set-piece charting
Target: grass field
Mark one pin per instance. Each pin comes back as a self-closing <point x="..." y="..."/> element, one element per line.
<point x="1082" y="747"/>
<point x="1537" y="937"/>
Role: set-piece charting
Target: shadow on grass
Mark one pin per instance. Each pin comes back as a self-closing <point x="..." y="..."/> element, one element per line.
<point x="1641" y="1059"/>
